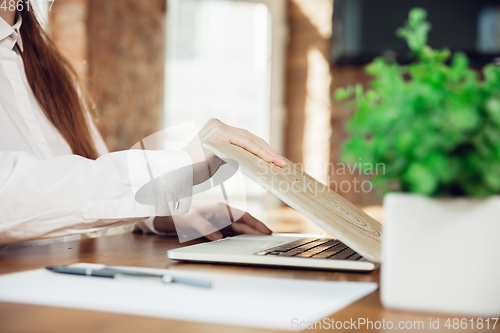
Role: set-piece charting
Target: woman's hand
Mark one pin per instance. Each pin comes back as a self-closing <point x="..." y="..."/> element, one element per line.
<point x="217" y="131"/>
<point x="209" y="221"/>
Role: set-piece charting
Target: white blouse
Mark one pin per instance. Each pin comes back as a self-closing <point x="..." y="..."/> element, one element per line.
<point x="47" y="192"/>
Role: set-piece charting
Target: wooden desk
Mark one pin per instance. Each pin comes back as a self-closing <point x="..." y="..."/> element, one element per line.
<point x="150" y="251"/>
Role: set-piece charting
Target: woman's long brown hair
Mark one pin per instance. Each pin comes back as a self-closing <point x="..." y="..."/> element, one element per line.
<point x="54" y="84"/>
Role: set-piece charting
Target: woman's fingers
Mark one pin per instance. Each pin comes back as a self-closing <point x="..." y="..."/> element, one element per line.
<point x="242" y="228"/>
<point x="257" y="146"/>
<point x="252" y="145"/>
<point x="218" y="131"/>
<point x="255" y="224"/>
<point x="214" y="236"/>
<point x="220" y="212"/>
<point x="209" y="219"/>
<point x="164" y="224"/>
<point x="197" y="222"/>
<point x="277" y="156"/>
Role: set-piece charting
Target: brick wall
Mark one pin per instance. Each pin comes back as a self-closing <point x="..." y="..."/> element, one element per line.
<point x="126" y="42"/>
<point x="118" y="47"/>
<point x="308" y="82"/>
<point x="315" y="125"/>
<point x="68" y="29"/>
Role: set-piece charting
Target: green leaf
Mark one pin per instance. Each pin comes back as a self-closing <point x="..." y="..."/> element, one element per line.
<point x="420" y="179"/>
<point x="438" y="163"/>
<point x="459" y="65"/>
<point x="402" y="32"/>
<point x="492" y="74"/>
<point x="376" y="67"/>
<point x="476" y="190"/>
<point x="406" y="142"/>
<point x="464" y="118"/>
<point x="416" y="29"/>
<point x="492" y="106"/>
<point x="492" y="133"/>
<point x="358" y="90"/>
<point x="416" y="16"/>
<point x="343" y="94"/>
<point x="492" y="179"/>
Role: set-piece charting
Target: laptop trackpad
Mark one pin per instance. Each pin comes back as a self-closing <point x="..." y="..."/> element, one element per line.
<point x="257" y="244"/>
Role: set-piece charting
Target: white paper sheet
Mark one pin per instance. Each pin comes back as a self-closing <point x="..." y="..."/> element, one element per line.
<point x="236" y="300"/>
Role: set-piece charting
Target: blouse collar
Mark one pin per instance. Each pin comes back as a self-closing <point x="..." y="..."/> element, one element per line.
<point x="11" y="35"/>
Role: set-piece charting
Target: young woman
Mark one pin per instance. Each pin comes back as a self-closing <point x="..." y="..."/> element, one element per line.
<point x="56" y="176"/>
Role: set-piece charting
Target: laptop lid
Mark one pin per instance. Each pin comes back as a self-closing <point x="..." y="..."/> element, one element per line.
<point x="315" y="200"/>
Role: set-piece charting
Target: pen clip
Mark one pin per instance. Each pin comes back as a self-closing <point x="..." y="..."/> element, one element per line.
<point x="165" y="278"/>
<point x="140" y="278"/>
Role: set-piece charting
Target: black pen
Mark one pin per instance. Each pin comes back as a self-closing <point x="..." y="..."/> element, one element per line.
<point x="115" y="273"/>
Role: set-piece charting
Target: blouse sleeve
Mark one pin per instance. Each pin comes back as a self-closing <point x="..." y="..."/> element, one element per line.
<point x="143" y="225"/>
<point x="70" y="194"/>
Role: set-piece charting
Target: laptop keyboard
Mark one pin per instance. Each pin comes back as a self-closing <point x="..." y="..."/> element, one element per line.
<point x="316" y="248"/>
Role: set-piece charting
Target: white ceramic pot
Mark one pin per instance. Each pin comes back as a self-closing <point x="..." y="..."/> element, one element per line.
<point x="441" y="255"/>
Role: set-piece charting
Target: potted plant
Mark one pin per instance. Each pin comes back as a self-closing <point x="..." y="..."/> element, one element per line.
<point x="435" y="125"/>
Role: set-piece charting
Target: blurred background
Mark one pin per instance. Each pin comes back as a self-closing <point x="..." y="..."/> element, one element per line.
<point x="269" y="66"/>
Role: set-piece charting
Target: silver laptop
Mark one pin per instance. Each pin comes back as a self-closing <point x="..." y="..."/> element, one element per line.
<point x="356" y="248"/>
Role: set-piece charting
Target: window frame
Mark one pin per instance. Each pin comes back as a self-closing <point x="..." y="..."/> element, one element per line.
<point x="277" y="110"/>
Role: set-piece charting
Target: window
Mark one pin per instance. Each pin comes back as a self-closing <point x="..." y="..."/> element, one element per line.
<point x="225" y="60"/>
